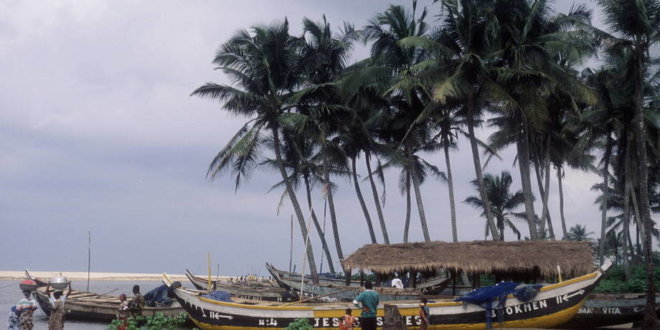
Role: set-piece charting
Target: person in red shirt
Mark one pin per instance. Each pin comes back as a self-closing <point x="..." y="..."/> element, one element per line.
<point x="346" y="323"/>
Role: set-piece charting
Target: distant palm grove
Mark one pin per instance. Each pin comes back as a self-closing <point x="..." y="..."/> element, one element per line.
<point x="515" y="66"/>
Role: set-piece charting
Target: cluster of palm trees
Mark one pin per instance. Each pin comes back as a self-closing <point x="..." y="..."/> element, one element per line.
<point x="509" y="64"/>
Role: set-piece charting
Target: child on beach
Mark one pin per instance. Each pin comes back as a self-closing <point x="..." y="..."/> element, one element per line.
<point x="123" y="312"/>
<point x="346" y="323"/>
<point x="424" y="314"/>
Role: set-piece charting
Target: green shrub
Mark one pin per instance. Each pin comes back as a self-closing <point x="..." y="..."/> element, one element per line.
<point x="614" y="280"/>
<point x="156" y="322"/>
<point x="300" y="324"/>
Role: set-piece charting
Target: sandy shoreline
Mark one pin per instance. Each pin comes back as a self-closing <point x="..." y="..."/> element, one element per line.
<point x="95" y="276"/>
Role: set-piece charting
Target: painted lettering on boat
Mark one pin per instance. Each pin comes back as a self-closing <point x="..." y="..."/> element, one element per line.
<point x="413" y="320"/>
<point x="268" y="322"/>
<point x="334" y="321"/>
<point x="611" y="310"/>
<point x="602" y="310"/>
<point x="585" y="310"/>
<point x="528" y="307"/>
<point x="326" y="322"/>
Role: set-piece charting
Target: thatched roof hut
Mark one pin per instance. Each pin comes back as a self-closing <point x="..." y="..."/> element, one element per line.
<point x="528" y="258"/>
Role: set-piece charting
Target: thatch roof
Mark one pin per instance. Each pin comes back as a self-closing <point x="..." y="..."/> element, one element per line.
<point x="522" y="257"/>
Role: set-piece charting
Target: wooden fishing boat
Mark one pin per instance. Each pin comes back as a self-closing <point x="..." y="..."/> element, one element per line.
<point x="325" y="280"/>
<point x="604" y="310"/>
<point x="341" y="292"/>
<point x="40" y="282"/>
<point x="252" y="291"/>
<point x="428" y="286"/>
<point x="89" y="306"/>
<point x="552" y="304"/>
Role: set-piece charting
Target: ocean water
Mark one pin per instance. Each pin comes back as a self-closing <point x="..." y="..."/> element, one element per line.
<point x="10" y="294"/>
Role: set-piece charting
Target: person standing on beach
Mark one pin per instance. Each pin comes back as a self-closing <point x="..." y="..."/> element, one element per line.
<point x="424" y="314"/>
<point x="12" y="321"/>
<point x="56" y="319"/>
<point x="26" y="307"/>
<point x="123" y="312"/>
<point x="346" y="323"/>
<point x="137" y="303"/>
<point x="368" y="301"/>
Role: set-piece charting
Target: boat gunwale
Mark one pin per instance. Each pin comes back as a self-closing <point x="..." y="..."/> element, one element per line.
<point x="398" y="303"/>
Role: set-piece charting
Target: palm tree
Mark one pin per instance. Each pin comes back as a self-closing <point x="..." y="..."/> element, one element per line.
<point x="264" y="66"/>
<point x="466" y="40"/>
<point x="414" y="170"/>
<point x="324" y="57"/>
<point x="408" y="95"/>
<point x="298" y="157"/>
<point x="364" y="95"/>
<point x="601" y="123"/>
<point x="638" y="26"/>
<point x="502" y="201"/>
<point x="570" y="146"/>
<point x="579" y="233"/>
<point x="448" y="122"/>
<point x="538" y="81"/>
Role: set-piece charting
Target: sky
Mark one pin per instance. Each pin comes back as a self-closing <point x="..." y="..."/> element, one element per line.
<point x="99" y="134"/>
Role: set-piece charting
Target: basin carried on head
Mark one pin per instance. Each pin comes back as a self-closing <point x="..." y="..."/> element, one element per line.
<point x="59" y="282"/>
<point x="28" y="285"/>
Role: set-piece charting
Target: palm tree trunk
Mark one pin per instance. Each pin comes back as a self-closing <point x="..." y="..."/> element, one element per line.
<point x="640" y="49"/>
<point x="477" y="167"/>
<point x="319" y="229"/>
<point x="331" y="205"/>
<point x="523" y="163"/>
<point x="296" y="206"/>
<point x="367" y="217"/>
<point x="626" y="222"/>
<point x="542" y="192"/>
<point x="561" y="201"/>
<point x="406" y="226"/>
<point x="374" y="192"/>
<point x="418" y="197"/>
<point x="603" y="207"/>
<point x="450" y="185"/>
<point x="626" y="206"/>
<point x="638" y="218"/>
<point x="546" y="193"/>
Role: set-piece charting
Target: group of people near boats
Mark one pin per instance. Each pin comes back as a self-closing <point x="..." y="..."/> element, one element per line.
<point x="368" y="301"/>
<point x="20" y="315"/>
<point x="132" y="308"/>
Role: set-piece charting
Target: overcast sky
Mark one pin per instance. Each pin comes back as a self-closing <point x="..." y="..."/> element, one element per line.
<point x="98" y="133"/>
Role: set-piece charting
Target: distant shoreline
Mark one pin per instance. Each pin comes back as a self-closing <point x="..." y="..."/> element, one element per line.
<point x="8" y="275"/>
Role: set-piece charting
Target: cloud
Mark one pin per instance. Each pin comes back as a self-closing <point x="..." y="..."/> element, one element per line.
<point x="99" y="134"/>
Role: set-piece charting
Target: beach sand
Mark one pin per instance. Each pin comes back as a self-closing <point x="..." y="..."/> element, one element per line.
<point x="95" y="276"/>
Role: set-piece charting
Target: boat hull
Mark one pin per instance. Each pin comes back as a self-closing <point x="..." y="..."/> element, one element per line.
<point x="553" y="305"/>
<point x="602" y="310"/>
<point x="291" y="281"/>
<point x="82" y="306"/>
<point x="266" y="293"/>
